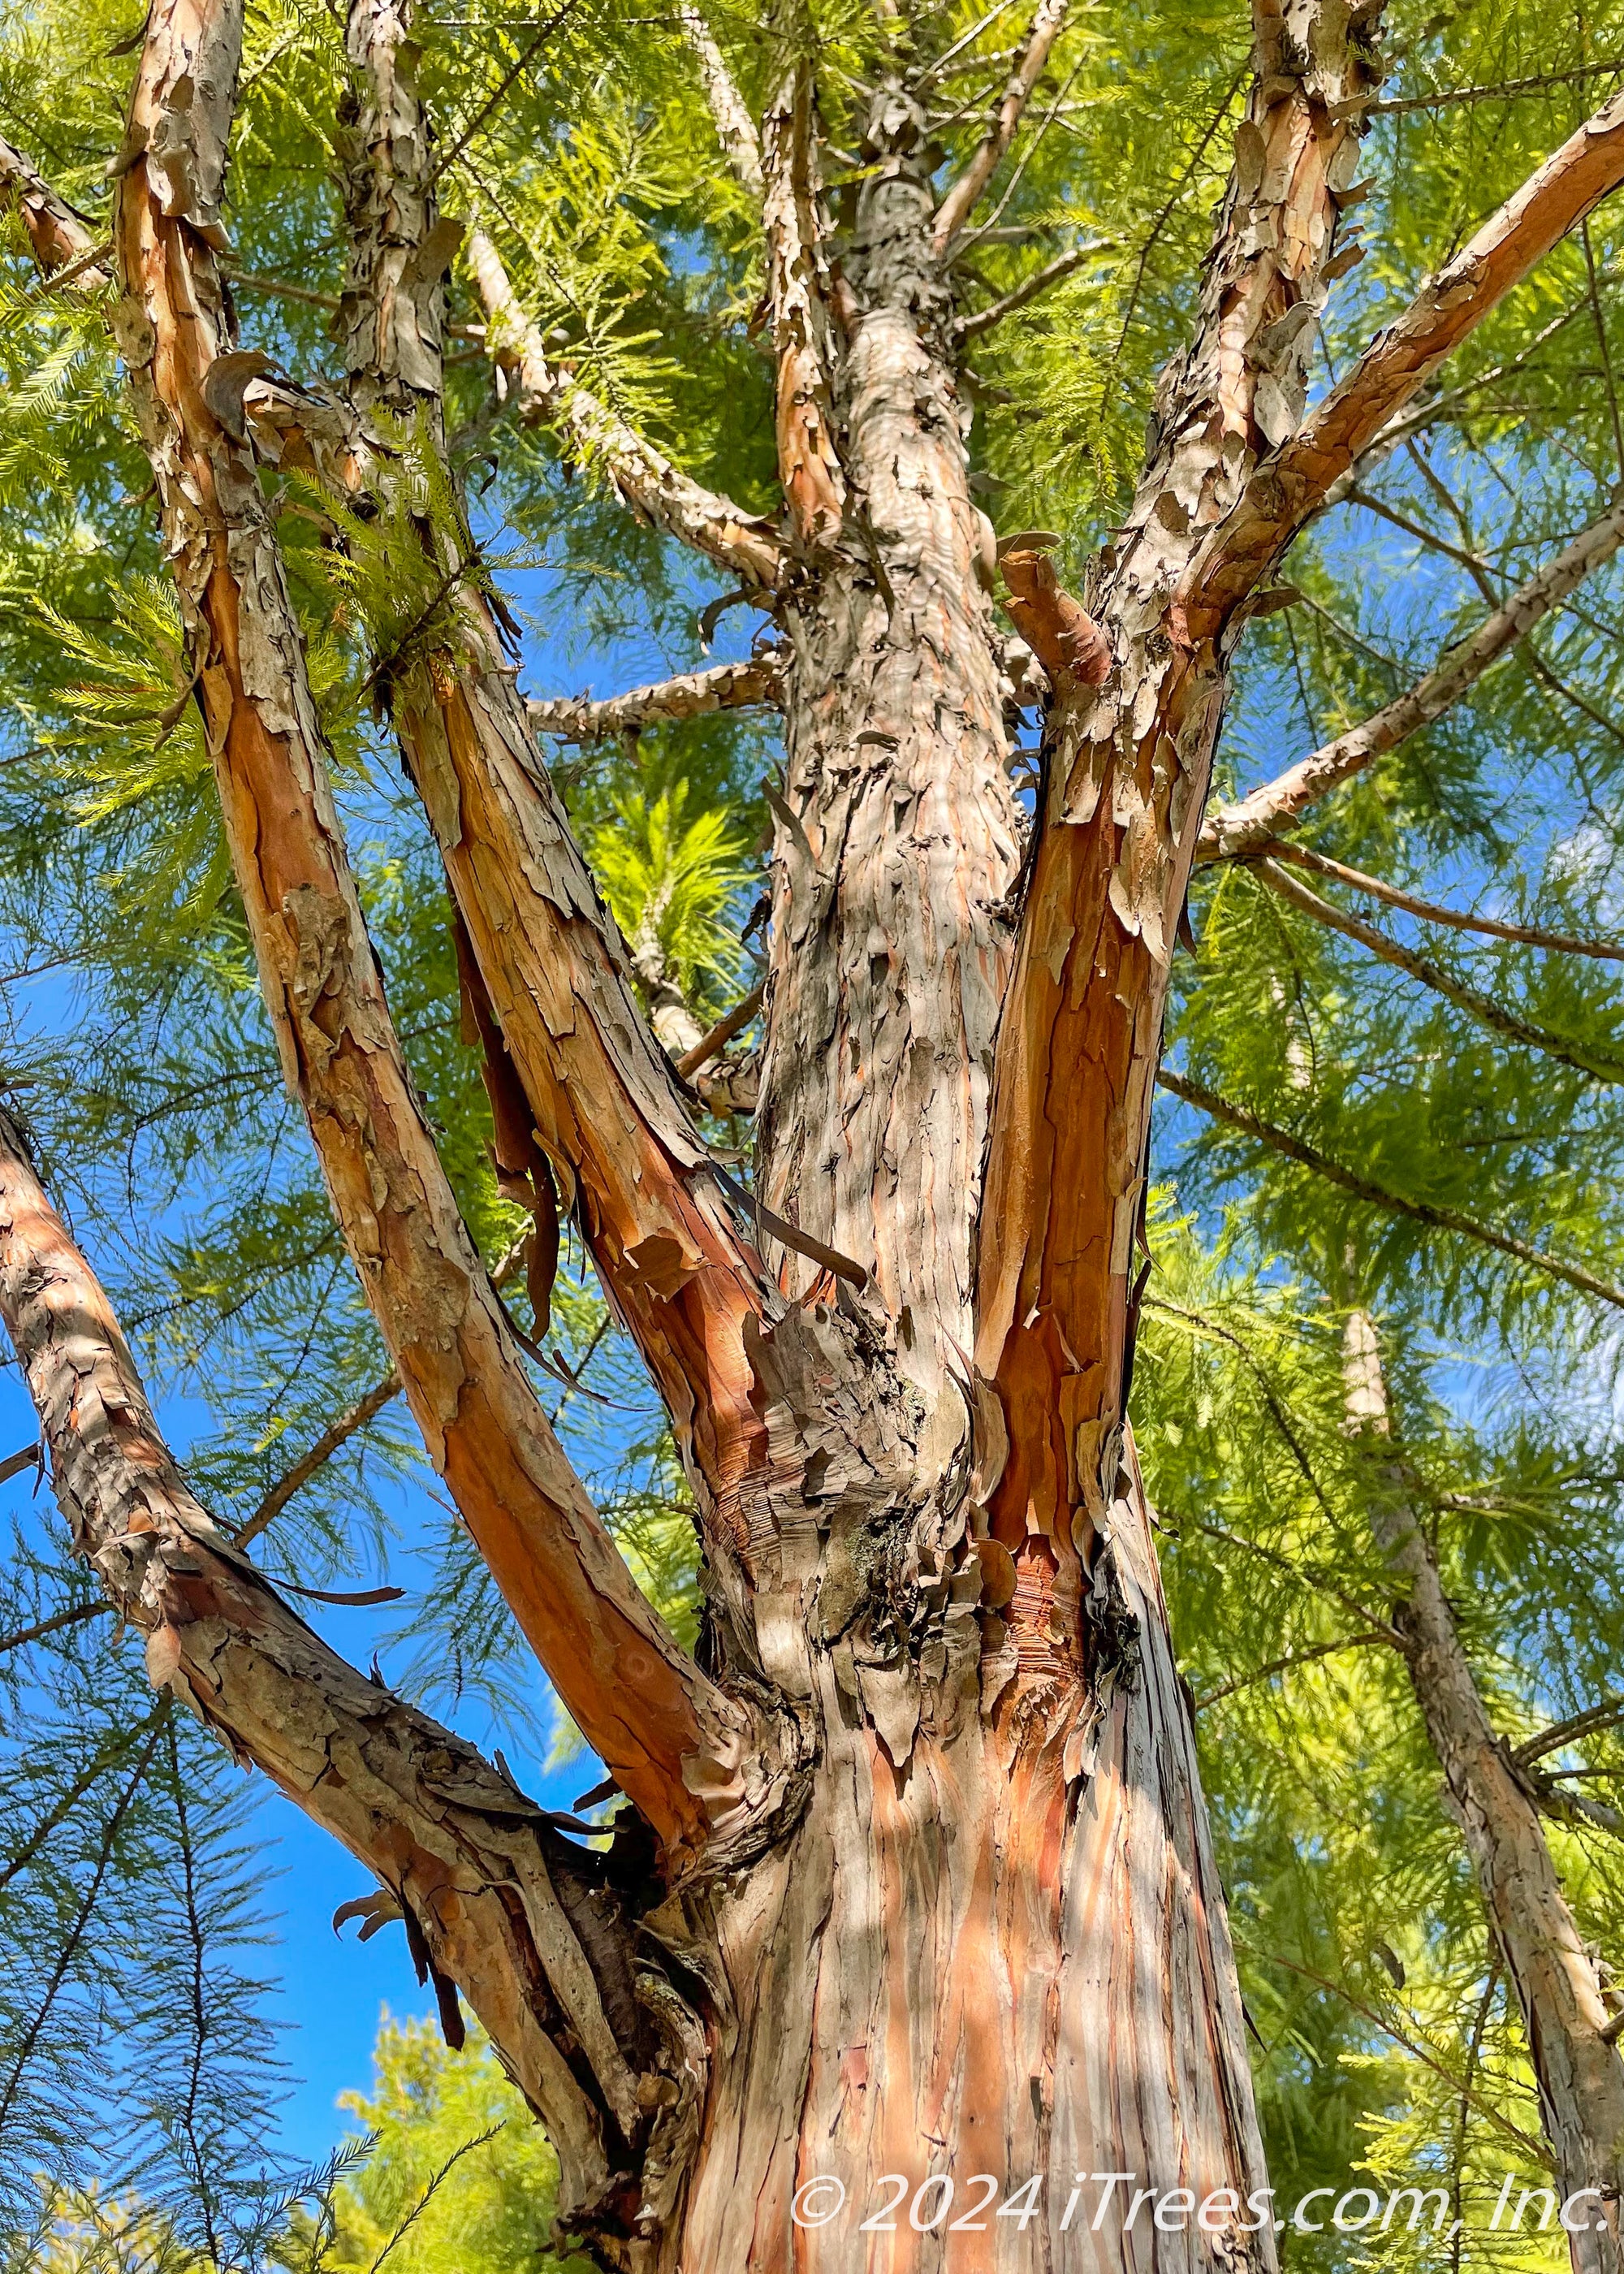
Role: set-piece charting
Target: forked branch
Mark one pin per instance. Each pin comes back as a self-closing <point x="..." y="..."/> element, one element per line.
<point x="603" y="1103"/>
<point x="670" y="1737"/>
<point x="1558" y="942"/>
<point x="1288" y="485"/>
<point x="1128" y="746"/>
<point x="1507" y="1024"/>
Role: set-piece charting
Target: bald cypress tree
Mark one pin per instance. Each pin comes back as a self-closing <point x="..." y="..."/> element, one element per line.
<point x="1076" y="1069"/>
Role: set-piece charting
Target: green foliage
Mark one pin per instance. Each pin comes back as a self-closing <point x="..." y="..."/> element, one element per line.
<point x="457" y="2171"/>
<point x="673" y="877"/>
<point x="130" y="1007"/>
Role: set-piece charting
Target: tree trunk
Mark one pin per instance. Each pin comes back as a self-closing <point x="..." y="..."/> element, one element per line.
<point x="1579" y="2070"/>
<point x="918" y="1884"/>
<point x="1005" y="1955"/>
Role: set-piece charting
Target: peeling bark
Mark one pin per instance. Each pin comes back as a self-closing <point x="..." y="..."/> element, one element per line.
<point x="606" y="1108"/>
<point x="735" y="128"/>
<point x="1579" y="2073"/>
<point x="1286" y="488"/>
<point x="529" y="1928"/>
<point x="1126" y="775"/>
<point x="898" y="838"/>
<point x="674" y="1740"/>
<point x="798" y="285"/>
<point x="59" y="237"/>
<point x="1008" y="1956"/>
<point x="691" y="694"/>
<point x="938" y="1890"/>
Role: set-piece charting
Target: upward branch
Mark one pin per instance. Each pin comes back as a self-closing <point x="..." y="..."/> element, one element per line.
<point x="1493" y="1799"/>
<point x="1081" y="1025"/>
<point x="1286" y="487"/>
<point x="603" y="1102"/>
<point x="961" y="199"/>
<point x="671" y="1739"/>
<point x="798" y="283"/>
<point x="735" y="128"/>
<point x="59" y="237"/>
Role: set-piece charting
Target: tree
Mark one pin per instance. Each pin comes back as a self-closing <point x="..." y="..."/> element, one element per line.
<point x="914" y="1874"/>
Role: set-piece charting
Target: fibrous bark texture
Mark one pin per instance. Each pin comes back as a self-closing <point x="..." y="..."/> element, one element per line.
<point x="644" y="1705"/>
<point x="1127" y="774"/>
<point x="898" y="839"/>
<point x="916" y="1877"/>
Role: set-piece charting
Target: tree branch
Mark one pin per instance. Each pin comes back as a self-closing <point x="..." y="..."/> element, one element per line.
<point x="644" y="478"/>
<point x="1396" y="106"/>
<point x="734" y="126"/>
<point x="604" y="1105"/>
<point x="673" y="1741"/>
<point x="75" y="1614"/>
<point x="1497" y="1806"/>
<point x="798" y="284"/>
<point x="1053" y="271"/>
<point x="332" y="1440"/>
<point x="1477" y="1006"/>
<point x="1561" y="1734"/>
<point x="1288" y="1663"/>
<point x="465" y="1854"/>
<point x="691" y="694"/>
<point x="1245" y="827"/>
<point x="1127" y="749"/>
<point x="1441" y="1219"/>
<point x="60" y="237"/>
<point x="1288" y="486"/>
<point x="964" y="194"/>
<point x="1558" y="942"/>
<point x="717" y="1037"/>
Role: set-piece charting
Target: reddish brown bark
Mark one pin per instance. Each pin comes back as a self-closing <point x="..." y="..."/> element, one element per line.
<point x="798" y="286"/>
<point x="608" y="1110"/>
<point x="639" y="1700"/>
<point x="939" y="1892"/>
<point x="1127" y="774"/>
<point x="59" y="237"/>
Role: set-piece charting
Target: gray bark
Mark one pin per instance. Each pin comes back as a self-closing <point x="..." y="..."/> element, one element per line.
<point x="1580" y="2072"/>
